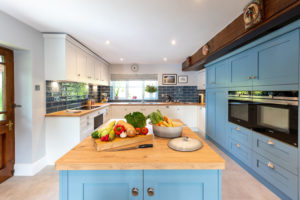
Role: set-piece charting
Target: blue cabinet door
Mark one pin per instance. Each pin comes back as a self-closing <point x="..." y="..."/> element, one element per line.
<point x="210" y="77"/>
<point x="210" y="113"/>
<point x="243" y="67"/>
<point x="182" y="184"/>
<point x="221" y="116"/>
<point x="98" y="185"/>
<point x="278" y="60"/>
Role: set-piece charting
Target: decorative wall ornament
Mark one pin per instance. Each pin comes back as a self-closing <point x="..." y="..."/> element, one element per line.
<point x="205" y="50"/>
<point x="253" y="13"/>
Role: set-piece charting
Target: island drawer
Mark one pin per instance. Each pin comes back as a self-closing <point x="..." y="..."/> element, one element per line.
<point x="240" y="134"/>
<point x="240" y="151"/>
<point x="277" y="175"/>
<point x="281" y="153"/>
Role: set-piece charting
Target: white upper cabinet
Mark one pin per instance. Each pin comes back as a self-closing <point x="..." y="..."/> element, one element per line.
<point x="201" y="80"/>
<point x="68" y="60"/>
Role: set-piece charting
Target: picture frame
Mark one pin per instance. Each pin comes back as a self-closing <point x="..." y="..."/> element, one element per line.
<point x="169" y="79"/>
<point x="183" y="79"/>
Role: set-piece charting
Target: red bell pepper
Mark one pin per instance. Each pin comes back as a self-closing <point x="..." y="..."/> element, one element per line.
<point x="119" y="129"/>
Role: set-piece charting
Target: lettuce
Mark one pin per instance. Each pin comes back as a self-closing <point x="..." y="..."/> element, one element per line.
<point x="136" y="119"/>
<point x="156" y="117"/>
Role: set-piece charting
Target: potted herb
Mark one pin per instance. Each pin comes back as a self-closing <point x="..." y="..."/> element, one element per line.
<point x="151" y="89"/>
<point x="117" y="93"/>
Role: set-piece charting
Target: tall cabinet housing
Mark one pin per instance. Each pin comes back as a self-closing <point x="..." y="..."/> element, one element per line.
<point x="68" y="60"/>
<point x="269" y="63"/>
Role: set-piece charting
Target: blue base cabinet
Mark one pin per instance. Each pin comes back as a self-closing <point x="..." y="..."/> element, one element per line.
<point x="269" y="63"/>
<point x="140" y="184"/>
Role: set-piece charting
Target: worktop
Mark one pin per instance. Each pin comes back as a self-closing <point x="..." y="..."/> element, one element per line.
<point x="63" y="113"/>
<point x="85" y="157"/>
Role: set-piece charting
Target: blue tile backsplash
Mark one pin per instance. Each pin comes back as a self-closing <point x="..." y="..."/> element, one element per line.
<point x="65" y="95"/>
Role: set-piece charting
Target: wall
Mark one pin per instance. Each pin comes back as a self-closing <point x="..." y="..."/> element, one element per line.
<point x="27" y="44"/>
<point x="157" y="69"/>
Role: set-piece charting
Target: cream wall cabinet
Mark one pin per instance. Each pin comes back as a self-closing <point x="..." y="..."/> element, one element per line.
<point x="68" y="60"/>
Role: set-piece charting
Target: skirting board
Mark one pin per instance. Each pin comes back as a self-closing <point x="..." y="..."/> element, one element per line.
<point x="30" y="169"/>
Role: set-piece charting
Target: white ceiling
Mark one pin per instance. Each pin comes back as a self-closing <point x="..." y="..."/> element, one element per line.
<point x="140" y="31"/>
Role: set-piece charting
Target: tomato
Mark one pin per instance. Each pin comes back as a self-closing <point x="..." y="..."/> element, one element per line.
<point x="138" y="130"/>
<point x="145" y="131"/>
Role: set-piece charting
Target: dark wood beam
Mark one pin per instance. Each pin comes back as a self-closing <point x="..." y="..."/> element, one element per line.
<point x="277" y="14"/>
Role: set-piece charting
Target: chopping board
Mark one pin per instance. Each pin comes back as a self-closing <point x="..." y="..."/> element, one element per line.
<point x="119" y="142"/>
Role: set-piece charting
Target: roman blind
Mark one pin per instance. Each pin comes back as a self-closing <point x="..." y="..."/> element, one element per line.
<point x="134" y="77"/>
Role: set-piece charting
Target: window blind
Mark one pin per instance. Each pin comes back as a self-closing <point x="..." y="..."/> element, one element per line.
<point x="134" y="77"/>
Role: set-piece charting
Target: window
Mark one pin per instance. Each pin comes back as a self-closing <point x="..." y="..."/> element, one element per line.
<point x="134" y="89"/>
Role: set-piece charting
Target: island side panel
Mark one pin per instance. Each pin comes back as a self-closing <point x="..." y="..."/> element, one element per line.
<point x="118" y="184"/>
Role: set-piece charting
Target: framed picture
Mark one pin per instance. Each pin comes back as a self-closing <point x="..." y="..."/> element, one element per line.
<point x="183" y="79"/>
<point x="169" y="79"/>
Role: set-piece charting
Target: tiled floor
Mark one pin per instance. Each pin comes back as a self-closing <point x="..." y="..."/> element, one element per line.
<point x="237" y="185"/>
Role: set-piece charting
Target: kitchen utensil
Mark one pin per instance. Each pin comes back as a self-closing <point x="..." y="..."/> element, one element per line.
<point x="167" y="132"/>
<point x="142" y="146"/>
<point x="185" y="144"/>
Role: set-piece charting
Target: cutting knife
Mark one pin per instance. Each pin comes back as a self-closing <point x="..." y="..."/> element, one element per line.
<point x="142" y="146"/>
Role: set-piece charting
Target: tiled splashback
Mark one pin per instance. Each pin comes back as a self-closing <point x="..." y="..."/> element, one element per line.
<point x="179" y="93"/>
<point x="65" y="95"/>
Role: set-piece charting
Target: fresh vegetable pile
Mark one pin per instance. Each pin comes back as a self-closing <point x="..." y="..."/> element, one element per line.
<point x="135" y="125"/>
<point x="158" y="119"/>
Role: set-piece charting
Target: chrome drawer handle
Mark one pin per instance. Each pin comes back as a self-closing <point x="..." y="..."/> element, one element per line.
<point x="212" y="82"/>
<point x="270" y="142"/>
<point x="150" y="192"/>
<point x="135" y="192"/>
<point x="270" y="165"/>
<point x="238" y="145"/>
<point x="237" y="128"/>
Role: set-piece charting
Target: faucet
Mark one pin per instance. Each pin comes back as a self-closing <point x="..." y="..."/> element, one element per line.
<point x="169" y="98"/>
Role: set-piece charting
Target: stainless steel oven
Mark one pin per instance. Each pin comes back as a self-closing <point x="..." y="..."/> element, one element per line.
<point x="272" y="113"/>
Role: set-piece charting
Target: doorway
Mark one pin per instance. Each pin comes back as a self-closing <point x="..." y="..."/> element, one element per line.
<point x="7" y="117"/>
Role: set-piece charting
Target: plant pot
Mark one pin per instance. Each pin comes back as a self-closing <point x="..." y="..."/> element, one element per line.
<point x="116" y="98"/>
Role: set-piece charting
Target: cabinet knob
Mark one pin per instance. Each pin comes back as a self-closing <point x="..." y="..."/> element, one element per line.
<point x="270" y="142"/>
<point x="238" y="145"/>
<point x="135" y="192"/>
<point x="150" y="191"/>
<point x="237" y="128"/>
<point x="78" y="74"/>
<point x="249" y="77"/>
<point x="270" y="165"/>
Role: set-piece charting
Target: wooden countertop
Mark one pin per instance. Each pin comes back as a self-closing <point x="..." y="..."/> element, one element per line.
<point x="85" y="157"/>
<point x="63" y="113"/>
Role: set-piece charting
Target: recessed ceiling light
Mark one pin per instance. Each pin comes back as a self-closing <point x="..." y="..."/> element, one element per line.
<point x="173" y="42"/>
<point x="107" y="42"/>
<point x="121" y="59"/>
<point x="165" y="59"/>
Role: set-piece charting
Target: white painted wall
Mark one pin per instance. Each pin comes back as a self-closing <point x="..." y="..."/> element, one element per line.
<point x="27" y="44"/>
<point x="157" y="69"/>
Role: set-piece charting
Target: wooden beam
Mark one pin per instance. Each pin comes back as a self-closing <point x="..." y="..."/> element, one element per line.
<point x="277" y="14"/>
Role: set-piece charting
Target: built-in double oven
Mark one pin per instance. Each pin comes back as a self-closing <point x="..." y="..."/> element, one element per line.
<point x="272" y="113"/>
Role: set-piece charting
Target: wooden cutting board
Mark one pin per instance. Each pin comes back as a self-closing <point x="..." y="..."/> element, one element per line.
<point x="119" y="142"/>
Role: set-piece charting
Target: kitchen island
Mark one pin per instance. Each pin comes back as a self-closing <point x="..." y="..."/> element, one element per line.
<point x="154" y="173"/>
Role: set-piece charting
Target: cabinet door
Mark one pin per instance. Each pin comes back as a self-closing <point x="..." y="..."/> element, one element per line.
<point x="243" y="68"/>
<point x="182" y="184"/>
<point x="278" y="61"/>
<point x="210" y="77"/>
<point x="90" y="69"/>
<point x="82" y="63"/>
<point x="210" y="113"/>
<point x="222" y="73"/>
<point x="97" y="75"/>
<point x="105" y="184"/>
<point x="104" y="74"/>
<point x="71" y="62"/>
<point x="221" y="113"/>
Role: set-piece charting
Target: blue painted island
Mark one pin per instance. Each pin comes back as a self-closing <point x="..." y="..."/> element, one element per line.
<point x="157" y="173"/>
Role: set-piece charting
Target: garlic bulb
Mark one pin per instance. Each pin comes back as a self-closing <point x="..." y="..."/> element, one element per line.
<point x="123" y="135"/>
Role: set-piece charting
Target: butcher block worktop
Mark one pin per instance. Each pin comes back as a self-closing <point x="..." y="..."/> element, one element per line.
<point x="63" y="113"/>
<point x="85" y="157"/>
